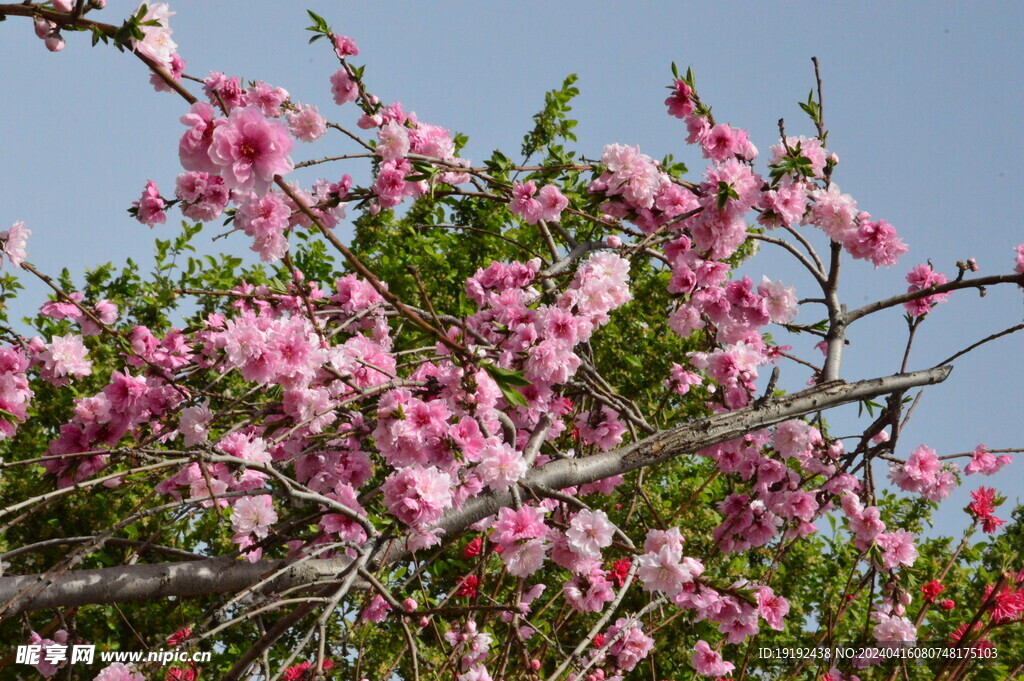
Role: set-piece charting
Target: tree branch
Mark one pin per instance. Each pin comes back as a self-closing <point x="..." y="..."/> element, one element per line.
<point x="221" y="575"/>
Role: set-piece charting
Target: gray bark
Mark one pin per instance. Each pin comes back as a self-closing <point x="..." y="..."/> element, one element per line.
<point x="225" y="575"/>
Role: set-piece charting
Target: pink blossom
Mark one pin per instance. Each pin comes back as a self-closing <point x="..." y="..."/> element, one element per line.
<point x="679" y="103"/>
<point x="343" y="87"/>
<point x="156" y="43"/>
<point x="376" y="610"/>
<point x="394" y="141"/>
<point x="306" y="123"/>
<point x="589" y="532"/>
<point x="666" y="571"/>
<point x="898" y="548"/>
<point x="119" y="672"/>
<point x="66" y="356"/>
<point x="601" y="427"/>
<point x="920" y="278"/>
<point x="708" y="662"/>
<point x="723" y="142"/>
<point x="250" y="150"/>
<point x="525" y="559"/>
<point x="224" y="91"/>
<point x="149" y="209"/>
<point x="175" y="69"/>
<point x="808" y="148"/>
<point x="875" y="241"/>
<point x="194" y="422"/>
<point x="267" y="98"/>
<point x="253" y="515"/>
<point x="15" y="240"/>
<point x="500" y="465"/>
<point x="45" y="666"/>
<point x="1019" y="259"/>
<point x="194" y="147"/>
<point x="893" y="629"/>
<point x="514" y="526"/>
<point x="780" y="300"/>
<point x="344" y="46"/>
<point x="771" y="607"/>
<point x="834" y="212"/>
<point x="523" y="204"/>
<point x="418" y="496"/>
<point x="631" y="645"/>
<point x="590" y="591"/>
<point x="551" y="203"/>
<point x="783" y="206"/>
<point x="984" y="462"/>
<point x="204" y="196"/>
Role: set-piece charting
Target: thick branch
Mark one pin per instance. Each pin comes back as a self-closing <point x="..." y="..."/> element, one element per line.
<point x="223" y="575"/>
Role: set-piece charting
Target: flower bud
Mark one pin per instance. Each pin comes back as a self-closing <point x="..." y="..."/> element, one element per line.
<point x="43" y="27"/>
<point x="54" y="43"/>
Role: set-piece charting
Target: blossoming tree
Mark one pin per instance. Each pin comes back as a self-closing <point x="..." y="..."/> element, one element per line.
<point x="511" y="430"/>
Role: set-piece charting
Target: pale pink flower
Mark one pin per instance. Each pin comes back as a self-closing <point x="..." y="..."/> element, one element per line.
<point x="66" y="356"/>
<point x="119" y="672"/>
<point x="156" y="43"/>
<point x="514" y="526"/>
<point x="667" y="571"/>
<point x="306" y="124"/>
<point x="267" y="98"/>
<point x="15" y="240"/>
<point x="780" y="300"/>
<point x="500" y="465"/>
<point x="708" y="662"/>
<point x="589" y="532"/>
<point x="253" y="515"/>
<point x="898" y="548"/>
<point x="632" y="646"/>
<point x="394" y="141"/>
<point x="343" y="87"/>
<point x="194" y="423"/>
<point x="893" y="629"/>
<point x="1018" y="266"/>
<point x="418" y="496"/>
<point x="250" y="150"/>
<point x="589" y="592"/>
<point x="834" y="212"/>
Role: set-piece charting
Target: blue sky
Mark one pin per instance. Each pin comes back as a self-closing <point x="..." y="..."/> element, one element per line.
<point x="922" y="101"/>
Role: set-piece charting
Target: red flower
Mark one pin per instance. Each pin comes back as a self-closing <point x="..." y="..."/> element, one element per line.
<point x="985" y="502"/>
<point x="620" y="570"/>
<point x="468" y="586"/>
<point x="932" y="589"/>
<point x="179" y="636"/>
<point x="599" y="640"/>
<point x="947" y="604"/>
<point x="473" y="548"/>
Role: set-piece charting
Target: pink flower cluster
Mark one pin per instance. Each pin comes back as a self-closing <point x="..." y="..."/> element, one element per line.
<point x="548" y="205"/>
<point x="985" y="462"/>
<point x="15" y="393"/>
<point x="923" y="474"/>
<point x="920" y="278"/>
<point x="246" y="149"/>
